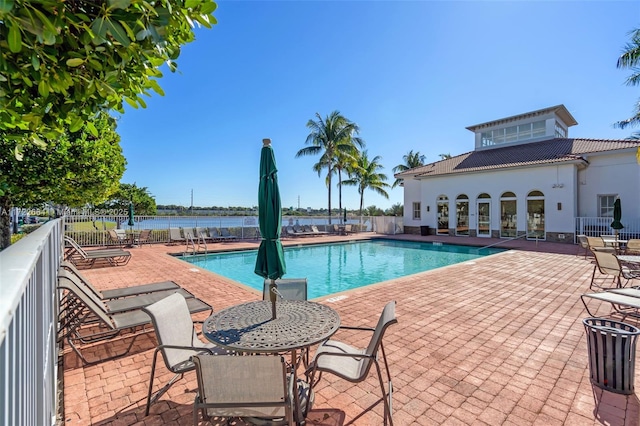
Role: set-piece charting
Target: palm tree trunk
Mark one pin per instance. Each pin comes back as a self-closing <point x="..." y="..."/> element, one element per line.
<point x="329" y="184"/>
<point x="340" y="193"/>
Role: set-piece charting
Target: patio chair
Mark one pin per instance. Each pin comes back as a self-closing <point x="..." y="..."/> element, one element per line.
<point x="288" y="289"/>
<point x="607" y="264"/>
<point x="79" y="257"/>
<point x="177" y="341"/>
<point x="201" y="234"/>
<point x="115" y="238"/>
<point x="633" y="247"/>
<point x="353" y="364"/>
<point x="583" y="244"/>
<point x="597" y="243"/>
<point x="243" y="386"/>
<point x="315" y="231"/>
<point x="175" y="237"/>
<point x="188" y="233"/>
<point x="116" y="293"/>
<point x="143" y="237"/>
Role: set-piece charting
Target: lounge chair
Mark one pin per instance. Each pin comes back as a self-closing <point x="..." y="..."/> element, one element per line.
<point x="353" y="364"/>
<point x="596" y="243"/>
<point x="315" y="231"/>
<point x="607" y="264"/>
<point x="79" y="257"/>
<point x="243" y="386"/>
<point x="624" y="302"/>
<point x="202" y="235"/>
<point x="188" y="233"/>
<point x="175" y="237"/>
<point x="129" y="290"/>
<point x="226" y="235"/>
<point x="177" y="341"/>
<point x="85" y="319"/>
<point x="124" y="304"/>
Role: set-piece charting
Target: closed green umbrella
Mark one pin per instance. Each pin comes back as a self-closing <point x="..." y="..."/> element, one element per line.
<point x="617" y="216"/>
<point x="270" y="262"/>
<point x="131" y="222"/>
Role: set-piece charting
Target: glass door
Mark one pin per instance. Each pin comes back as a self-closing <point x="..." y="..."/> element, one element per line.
<point x="535" y="216"/>
<point x="484" y="219"/>
<point x="443" y="216"/>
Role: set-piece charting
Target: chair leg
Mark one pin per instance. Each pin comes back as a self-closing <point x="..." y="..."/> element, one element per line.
<point x="153" y="370"/>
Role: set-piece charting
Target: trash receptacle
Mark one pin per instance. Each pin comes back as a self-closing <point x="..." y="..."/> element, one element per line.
<point x="424" y="230"/>
<point x="612" y="354"/>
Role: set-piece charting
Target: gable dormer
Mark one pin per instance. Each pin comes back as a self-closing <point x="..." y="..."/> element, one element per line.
<point x="534" y="126"/>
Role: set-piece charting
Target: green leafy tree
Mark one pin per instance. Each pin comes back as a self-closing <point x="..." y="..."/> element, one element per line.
<point x="365" y="175"/>
<point x="372" y="211"/>
<point x="411" y="161"/>
<point x="630" y="59"/>
<point x="143" y="201"/>
<point x="444" y="156"/>
<point x="62" y="62"/>
<point x="330" y="137"/>
<point x="395" y="210"/>
<point x="74" y="170"/>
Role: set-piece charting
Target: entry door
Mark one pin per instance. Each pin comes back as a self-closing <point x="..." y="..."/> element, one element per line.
<point x="484" y="219"/>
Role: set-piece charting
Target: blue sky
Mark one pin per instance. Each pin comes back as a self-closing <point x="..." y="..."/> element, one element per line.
<point x="411" y="74"/>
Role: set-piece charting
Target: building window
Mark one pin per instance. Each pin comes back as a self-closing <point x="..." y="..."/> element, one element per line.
<point x="605" y="205"/>
<point x="517" y="133"/>
<point x="416" y="211"/>
<point x="560" y="132"/>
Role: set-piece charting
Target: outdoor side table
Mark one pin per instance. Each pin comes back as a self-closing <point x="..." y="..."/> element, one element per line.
<point x="249" y="328"/>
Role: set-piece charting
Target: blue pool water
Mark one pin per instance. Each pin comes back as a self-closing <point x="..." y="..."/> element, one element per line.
<point x="332" y="268"/>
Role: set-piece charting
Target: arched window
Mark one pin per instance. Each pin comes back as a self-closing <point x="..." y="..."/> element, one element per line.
<point x="508" y="215"/>
<point x="462" y="215"/>
<point x="443" y="215"/>
<point x="535" y="216"/>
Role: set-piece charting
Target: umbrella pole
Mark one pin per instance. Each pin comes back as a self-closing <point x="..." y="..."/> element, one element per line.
<point x="272" y="296"/>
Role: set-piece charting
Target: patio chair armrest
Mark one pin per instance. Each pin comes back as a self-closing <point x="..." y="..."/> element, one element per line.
<point x="347" y="327"/>
<point x="191" y="348"/>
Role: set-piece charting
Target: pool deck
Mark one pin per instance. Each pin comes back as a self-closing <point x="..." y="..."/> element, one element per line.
<point x="494" y="341"/>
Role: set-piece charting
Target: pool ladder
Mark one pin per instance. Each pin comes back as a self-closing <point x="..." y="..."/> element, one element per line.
<point x="191" y="244"/>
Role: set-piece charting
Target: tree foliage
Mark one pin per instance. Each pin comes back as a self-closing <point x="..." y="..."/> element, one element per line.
<point x="630" y="59"/>
<point x="63" y="62"/>
<point x="76" y="169"/>
<point x="411" y="161"/>
<point x="143" y="201"/>
<point x="332" y="138"/>
<point x="366" y="175"/>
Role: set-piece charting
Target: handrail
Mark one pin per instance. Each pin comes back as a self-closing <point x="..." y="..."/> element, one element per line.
<point x="507" y="240"/>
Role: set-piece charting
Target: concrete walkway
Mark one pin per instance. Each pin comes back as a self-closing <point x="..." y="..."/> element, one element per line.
<point x="496" y="341"/>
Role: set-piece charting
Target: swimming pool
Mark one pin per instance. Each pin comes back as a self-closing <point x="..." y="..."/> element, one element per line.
<point x="332" y="268"/>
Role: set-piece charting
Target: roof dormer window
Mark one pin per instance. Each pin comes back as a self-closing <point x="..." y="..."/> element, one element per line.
<point x="510" y="134"/>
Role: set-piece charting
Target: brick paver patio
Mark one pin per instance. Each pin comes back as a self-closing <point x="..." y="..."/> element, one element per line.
<point x="496" y="341"/>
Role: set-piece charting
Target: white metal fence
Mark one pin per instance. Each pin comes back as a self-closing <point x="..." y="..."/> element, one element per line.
<point x="28" y="325"/>
<point x="91" y="230"/>
<point x="596" y="226"/>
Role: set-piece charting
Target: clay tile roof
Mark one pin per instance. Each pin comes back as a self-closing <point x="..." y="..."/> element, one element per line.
<point x="535" y="153"/>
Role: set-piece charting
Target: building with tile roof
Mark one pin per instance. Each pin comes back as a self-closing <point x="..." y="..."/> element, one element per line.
<point x="526" y="178"/>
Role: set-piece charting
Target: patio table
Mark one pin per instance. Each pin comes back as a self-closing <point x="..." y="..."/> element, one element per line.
<point x="632" y="262"/>
<point x="248" y="327"/>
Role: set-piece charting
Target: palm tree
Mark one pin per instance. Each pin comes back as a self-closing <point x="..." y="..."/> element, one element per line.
<point x="365" y="175"/>
<point x="630" y="58"/>
<point x="411" y="161"/>
<point x="330" y="137"/>
<point x="444" y="156"/>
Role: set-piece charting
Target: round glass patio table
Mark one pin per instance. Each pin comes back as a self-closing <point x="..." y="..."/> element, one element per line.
<point x="249" y="328"/>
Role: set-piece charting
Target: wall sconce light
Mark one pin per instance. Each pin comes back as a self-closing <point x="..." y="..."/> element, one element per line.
<point x="427" y="208"/>
<point x="559" y="206"/>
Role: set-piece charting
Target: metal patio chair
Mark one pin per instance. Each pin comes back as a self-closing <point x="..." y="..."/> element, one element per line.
<point x="353" y="364"/>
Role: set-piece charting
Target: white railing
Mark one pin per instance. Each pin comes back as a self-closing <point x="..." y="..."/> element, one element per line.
<point x="91" y="230"/>
<point x="28" y="325"/>
<point x="596" y="226"/>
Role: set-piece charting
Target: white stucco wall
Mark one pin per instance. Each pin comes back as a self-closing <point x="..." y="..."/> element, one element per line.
<point x="412" y="195"/>
<point x="612" y="174"/>
<point x="495" y="183"/>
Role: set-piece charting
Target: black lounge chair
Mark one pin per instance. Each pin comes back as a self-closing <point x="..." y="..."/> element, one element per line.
<point x="81" y="258"/>
<point x="85" y="319"/>
<point x="116" y="293"/>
